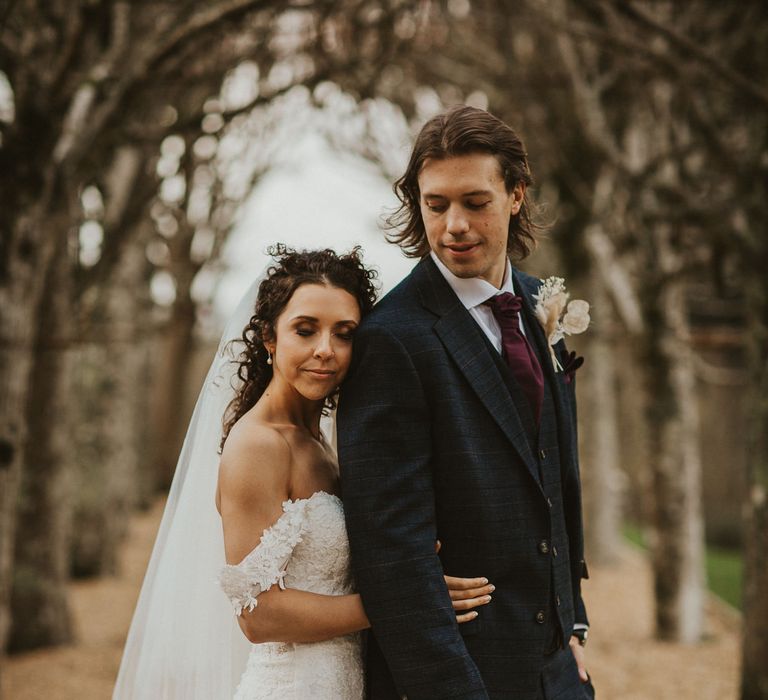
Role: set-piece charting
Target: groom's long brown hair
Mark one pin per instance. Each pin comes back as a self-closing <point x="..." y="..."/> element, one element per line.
<point x="461" y="131"/>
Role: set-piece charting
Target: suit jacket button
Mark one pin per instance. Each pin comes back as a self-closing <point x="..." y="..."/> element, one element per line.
<point x="540" y="617"/>
<point x="542" y="455"/>
<point x="554" y="551"/>
<point x="549" y="502"/>
<point x="557" y="600"/>
<point x="544" y="547"/>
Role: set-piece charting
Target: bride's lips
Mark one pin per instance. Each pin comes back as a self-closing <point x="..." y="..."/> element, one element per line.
<point x="321" y="373"/>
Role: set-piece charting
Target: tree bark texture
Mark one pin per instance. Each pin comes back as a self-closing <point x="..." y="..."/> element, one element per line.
<point x="111" y="406"/>
<point x="39" y="605"/>
<point x="678" y="533"/>
<point x="27" y="254"/>
<point x="602" y="479"/>
<point x="84" y="78"/>
<point x="754" y="679"/>
<point x="634" y="443"/>
<point x="175" y="354"/>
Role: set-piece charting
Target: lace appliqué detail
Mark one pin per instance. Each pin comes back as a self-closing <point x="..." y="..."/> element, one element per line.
<point x="266" y="564"/>
<point x="319" y="563"/>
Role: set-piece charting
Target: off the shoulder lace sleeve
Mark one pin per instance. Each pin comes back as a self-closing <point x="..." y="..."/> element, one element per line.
<point x="265" y="565"/>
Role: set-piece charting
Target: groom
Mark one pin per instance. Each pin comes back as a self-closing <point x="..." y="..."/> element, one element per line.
<point x="455" y="425"/>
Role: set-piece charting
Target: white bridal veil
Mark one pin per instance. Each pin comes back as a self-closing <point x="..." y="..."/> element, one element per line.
<point x="184" y="642"/>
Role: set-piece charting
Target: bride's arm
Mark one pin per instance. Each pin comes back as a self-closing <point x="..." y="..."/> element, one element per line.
<point x="254" y="482"/>
<point x="299" y="616"/>
<point x="251" y="494"/>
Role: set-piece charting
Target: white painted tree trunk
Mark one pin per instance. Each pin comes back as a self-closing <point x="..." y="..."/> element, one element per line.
<point x="678" y="533"/>
<point x="602" y="479"/>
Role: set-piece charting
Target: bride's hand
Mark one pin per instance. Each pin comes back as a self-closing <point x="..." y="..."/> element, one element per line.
<point x="467" y="593"/>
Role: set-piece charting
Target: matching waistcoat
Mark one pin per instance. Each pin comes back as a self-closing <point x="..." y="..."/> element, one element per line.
<point x="544" y="443"/>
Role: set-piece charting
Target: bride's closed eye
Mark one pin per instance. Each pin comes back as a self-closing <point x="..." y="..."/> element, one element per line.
<point x="308" y="332"/>
<point x="346" y="335"/>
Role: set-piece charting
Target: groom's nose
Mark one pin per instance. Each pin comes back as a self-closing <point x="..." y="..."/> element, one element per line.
<point x="456" y="221"/>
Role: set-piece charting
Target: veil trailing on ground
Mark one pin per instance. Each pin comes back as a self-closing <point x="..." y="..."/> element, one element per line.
<point x="184" y="642"/>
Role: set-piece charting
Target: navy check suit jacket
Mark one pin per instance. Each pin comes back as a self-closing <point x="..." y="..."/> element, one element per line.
<point x="431" y="446"/>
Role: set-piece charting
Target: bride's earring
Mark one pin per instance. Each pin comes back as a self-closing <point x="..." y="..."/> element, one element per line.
<point x="269" y="357"/>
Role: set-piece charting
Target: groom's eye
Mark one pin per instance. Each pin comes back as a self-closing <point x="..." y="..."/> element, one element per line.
<point x="435" y="206"/>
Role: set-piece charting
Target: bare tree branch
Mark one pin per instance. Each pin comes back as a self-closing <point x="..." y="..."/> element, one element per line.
<point x="203" y="21"/>
<point x="730" y="77"/>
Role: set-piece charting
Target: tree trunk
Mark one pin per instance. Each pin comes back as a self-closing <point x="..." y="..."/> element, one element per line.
<point x="15" y="368"/>
<point x="634" y="449"/>
<point x="603" y="481"/>
<point x="678" y="535"/>
<point x="25" y="257"/>
<point x="176" y="353"/>
<point x="39" y="604"/>
<point x="111" y="405"/>
<point x="146" y="486"/>
<point x="754" y="679"/>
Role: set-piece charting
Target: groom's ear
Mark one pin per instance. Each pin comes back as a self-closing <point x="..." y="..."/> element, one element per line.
<point x="517" y="193"/>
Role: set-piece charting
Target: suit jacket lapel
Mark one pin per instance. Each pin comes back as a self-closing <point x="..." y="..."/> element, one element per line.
<point x="463" y="340"/>
<point x="554" y="378"/>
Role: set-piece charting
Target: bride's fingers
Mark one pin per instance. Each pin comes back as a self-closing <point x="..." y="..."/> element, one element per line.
<point x="466" y="617"/>
<point x="471" y="603"/>
<point x="462" y="593"/>
<point x="472" y="593"/>
<point x="457" y="583"/>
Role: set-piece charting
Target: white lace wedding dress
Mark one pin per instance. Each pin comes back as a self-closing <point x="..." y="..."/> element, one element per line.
<point x="306" y="549"/>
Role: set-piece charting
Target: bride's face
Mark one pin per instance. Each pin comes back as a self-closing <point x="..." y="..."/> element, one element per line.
<point x="313" y="339"/>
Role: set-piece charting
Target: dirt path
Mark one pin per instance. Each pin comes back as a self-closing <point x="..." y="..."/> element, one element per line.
<point x="627" y="664"/>
<point x="102" y="611"/>
<point x="623" y="659"/>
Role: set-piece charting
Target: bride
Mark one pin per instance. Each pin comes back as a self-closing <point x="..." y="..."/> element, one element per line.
<point x="283" y="560"/>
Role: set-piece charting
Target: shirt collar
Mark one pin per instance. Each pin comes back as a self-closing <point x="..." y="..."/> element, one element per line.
<point x="474" y="291"/>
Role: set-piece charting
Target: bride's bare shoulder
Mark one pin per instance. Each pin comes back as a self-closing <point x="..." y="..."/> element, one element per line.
<point x="256" y="459"/>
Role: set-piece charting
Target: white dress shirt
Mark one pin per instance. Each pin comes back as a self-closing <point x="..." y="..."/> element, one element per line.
<point x="473" y="292"/>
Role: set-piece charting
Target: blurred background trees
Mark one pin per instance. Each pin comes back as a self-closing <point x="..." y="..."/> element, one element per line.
<point x="133" y="133"/>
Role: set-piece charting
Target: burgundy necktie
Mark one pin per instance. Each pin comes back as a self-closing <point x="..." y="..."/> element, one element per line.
<point x="517" y="352"/>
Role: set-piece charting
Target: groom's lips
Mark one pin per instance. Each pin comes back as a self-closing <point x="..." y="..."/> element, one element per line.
<point x="462" y="250"/>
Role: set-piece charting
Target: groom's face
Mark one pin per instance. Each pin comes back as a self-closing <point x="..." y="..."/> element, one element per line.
<point x="466" y="210"/>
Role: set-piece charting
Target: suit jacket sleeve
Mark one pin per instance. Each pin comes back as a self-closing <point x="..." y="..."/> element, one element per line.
<point x="385" y="438"/>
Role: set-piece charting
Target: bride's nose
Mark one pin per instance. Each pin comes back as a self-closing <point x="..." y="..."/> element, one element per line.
<point x="324" y="349"/>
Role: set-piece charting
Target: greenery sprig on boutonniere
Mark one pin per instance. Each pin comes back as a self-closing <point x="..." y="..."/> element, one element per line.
<point x="558" y="316"/>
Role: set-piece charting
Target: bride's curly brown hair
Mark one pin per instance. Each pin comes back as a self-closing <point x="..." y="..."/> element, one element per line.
<point x="291" y="270"/>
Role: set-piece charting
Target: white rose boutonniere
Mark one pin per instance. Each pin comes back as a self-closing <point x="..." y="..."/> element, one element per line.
<point x="558" y="316"/>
